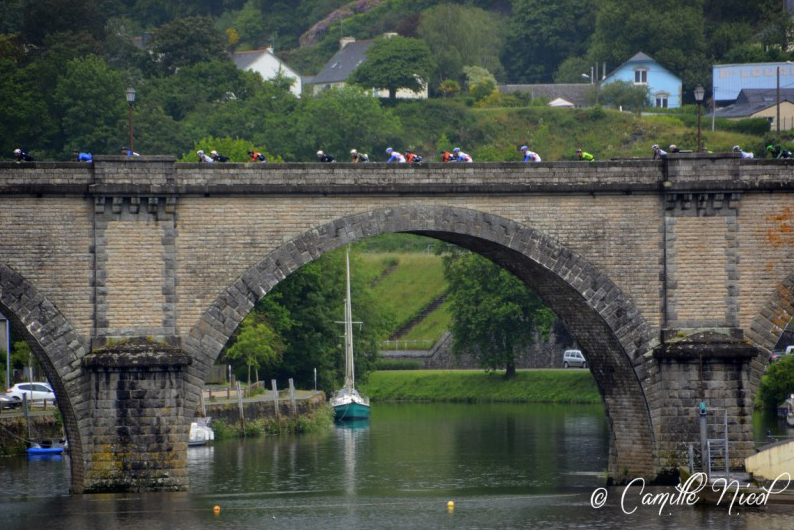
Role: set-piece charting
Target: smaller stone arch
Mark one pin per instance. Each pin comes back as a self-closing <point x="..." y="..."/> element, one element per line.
<point x="614" y="331"/>
<point x="58" y="348"/>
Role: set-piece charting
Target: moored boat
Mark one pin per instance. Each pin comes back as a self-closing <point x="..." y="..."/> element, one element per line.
<point x="348" y="404"/>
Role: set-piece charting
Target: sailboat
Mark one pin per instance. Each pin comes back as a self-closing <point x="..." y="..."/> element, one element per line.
<point x="348" y="404"/>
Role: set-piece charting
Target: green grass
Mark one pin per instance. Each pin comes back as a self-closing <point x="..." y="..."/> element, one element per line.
<point x="411" y="286"/>
<point x="529" y="386"/>
<point x="432" y="327"/>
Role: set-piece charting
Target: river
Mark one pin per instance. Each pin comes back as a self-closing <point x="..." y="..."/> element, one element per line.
<point x="503" y="466"/>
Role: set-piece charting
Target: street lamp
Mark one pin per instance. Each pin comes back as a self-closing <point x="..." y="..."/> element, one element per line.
<point x="699" y="93"/>
<point x="131" y="103"/>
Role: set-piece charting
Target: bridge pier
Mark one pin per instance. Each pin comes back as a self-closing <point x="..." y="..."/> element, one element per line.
<point x="715" y="367"/>
<point x="137" y="432"/>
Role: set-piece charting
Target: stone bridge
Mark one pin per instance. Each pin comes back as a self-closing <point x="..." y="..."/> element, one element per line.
<point x="127" y="277"/>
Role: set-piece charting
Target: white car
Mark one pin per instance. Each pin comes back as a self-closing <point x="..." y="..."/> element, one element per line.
<point x="573" y="358"/>
<point x="33" y="391"/>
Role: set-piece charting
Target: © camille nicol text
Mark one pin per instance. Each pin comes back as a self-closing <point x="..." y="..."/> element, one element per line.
<point x="686" y="494"/>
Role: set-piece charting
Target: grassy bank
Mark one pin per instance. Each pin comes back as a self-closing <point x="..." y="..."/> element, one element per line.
<point x="320" y="418"/>
<point x="529" y="386"/>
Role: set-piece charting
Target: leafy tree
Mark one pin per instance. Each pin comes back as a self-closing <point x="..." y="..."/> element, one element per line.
<point x="313" y="298"/>
<point x="25" y="120"/>
<point x="480" y="81"/>
<point x="195" y="85"/>
<point x="778" y="383"/>
<point x="672" y="32"/>
<point x="571" y="70"/>
<point x="234" y="148"/>
<point x="624" y="94"/>
<point x="449" y="87"/>
<point x="461" y="35"/>
<point x="266" y="118"/>
<point x="188" y="41"/>
<point x="44" y="18"/>
<point x="340" y="119"/>
<point x="90" y="101"/>
<point x="494" y="315"/>
<point x="541" y="35"/>
<point x="256" y="344"/>
<point x="394" y="63"/>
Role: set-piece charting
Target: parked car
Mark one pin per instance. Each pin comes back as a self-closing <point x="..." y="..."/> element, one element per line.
<point x="573" y="358"/>
<point x="778" y="354"/>
<point x="7" y="402"/>
<point x="34" y="392"/>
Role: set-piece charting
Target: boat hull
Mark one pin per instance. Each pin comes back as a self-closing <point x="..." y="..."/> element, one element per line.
<point x="351" y="411"/>
<point x="39" y="451"/>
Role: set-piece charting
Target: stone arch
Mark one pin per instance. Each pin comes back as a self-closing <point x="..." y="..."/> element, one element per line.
<point x="58" y="348"/>
<point x="608" y="326"/>
<point x="766" y="328"/>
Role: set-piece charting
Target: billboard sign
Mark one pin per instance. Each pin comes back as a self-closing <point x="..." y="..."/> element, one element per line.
<point x="729" y="79"/>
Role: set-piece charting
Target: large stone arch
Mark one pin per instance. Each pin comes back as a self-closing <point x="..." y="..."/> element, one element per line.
<point x="608" y="326"/>
<point x="59" y="349"/>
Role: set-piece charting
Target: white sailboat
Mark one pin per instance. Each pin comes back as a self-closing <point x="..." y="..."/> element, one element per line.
<point x="348" y="404"/>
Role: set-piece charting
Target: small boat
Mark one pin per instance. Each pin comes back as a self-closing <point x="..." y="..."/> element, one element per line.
<point x="200" y="432"/>
<point x="348" y="404"/>
<point x="47" y="447"/>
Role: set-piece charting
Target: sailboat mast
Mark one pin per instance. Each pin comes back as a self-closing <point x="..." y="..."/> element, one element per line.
<point x="349" y="368"/>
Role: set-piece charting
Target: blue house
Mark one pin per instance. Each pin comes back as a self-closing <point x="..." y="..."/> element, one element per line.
<point x="665" y="87"/>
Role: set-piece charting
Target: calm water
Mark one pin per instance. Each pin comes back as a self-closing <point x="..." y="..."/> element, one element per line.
<point x="504" y="466"/>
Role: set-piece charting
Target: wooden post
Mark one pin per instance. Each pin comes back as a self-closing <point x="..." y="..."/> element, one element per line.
<point x="275" y="395"/>
<point x="240" y="407"/>
<point x="202" y="406"/>
<point x="292" y="403"/>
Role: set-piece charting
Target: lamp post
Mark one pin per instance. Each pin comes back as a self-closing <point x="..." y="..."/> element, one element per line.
<point x="131" y="103"/>
<point x="699" y="93"/>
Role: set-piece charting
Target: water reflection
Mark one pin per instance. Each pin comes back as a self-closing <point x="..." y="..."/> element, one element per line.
<point x="505" y="466"/>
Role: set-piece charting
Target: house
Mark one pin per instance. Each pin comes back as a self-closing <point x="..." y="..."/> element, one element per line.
<point x="341" y="66"/>
<point x="665" y="87"/>
<point x="762" y="103"/>
<point x="268" y="66"/>
<point x="730" y="79"/>
<point x="576" y="94"/>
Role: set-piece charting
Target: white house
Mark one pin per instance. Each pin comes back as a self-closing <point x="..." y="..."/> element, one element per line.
<point x="268" y="66"/>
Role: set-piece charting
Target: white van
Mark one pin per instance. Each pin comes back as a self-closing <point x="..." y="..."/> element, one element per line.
<point x="573" y="358"/>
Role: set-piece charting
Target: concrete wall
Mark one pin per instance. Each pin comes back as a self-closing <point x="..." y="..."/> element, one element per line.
<point x="772" y="461"/>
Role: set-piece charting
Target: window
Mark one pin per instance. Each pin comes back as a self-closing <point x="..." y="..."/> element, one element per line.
<point x="640" y="76"/>
<point x="660" y="100"/>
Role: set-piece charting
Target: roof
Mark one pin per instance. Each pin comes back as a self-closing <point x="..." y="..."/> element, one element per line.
<point x="245" y="59"/>
<point x="752" y="100"/>
<point x="576" y="93"/>
<point x="344" y="62"/>
<point x="560" y="102"/>
<point x="640" y="57"/>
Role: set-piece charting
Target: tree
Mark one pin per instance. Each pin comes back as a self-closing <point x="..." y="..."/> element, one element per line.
<point x="393" y="63"/>
<point x="44" y="18"/>
<point x="313" y="301"/>
<point x="778" y="383"/>
<point x="340" y="119"/>
<point x="188" y="41"/>
<point x="624" y="94"/>
<point x="461" y="35"/>
<point x="256" y="344"/>
<point x="480" y="81"/>
<point x="542" y="34"/>
<point x="449" y="87"/>
<point x="671" y="32"/>
<point x="494" y="315"/>
<point x="89" y="98"/>
<point x="571" y="70"/>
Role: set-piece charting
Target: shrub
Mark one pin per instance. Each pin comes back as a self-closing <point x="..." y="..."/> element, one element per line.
<point x="777" y="384"/>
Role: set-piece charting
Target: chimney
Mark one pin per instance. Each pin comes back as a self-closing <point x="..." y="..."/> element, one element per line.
<point x="344" y="41"/>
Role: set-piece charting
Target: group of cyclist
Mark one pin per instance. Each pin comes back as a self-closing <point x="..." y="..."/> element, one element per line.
<point x="456" y="155"/>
